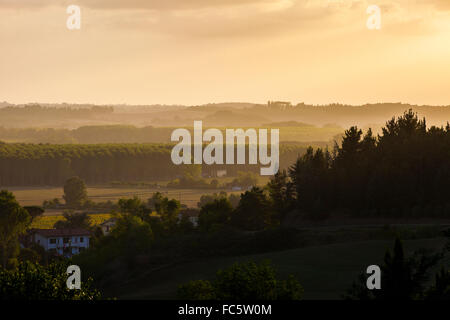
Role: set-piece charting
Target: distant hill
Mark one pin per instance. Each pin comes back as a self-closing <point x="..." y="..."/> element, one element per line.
<point x="287" y="124"/>
<point x="229" y="114"/>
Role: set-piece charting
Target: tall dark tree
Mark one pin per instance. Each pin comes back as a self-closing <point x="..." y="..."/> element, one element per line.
<point x="217" y="212"/>
<point x="281" y="191"/>
<point x="401" y="173"/>
<point x="34" y="211"/>
<point x="168" y="211"/>
<point x="440" y="290"/>
<point x="134" y="206"/>
<point x="312" y="181"/>
<point x="13" y="222"/>
<point x="254" y="212"/>
<point x="402" y="278"/>
<point x="131" y="235"/>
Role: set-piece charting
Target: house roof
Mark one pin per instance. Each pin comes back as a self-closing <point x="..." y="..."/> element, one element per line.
<point x="61" y="232"/>
<point x="109" y="221"/>
<point x="190" y="212"/>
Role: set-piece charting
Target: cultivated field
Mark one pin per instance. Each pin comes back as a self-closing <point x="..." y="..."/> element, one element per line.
<point x="36" y="195"/>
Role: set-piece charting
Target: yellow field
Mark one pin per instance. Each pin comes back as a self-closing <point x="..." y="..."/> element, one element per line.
<point x="47" y="222"/>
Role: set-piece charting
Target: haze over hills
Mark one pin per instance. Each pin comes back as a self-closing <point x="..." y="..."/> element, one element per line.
<point x="220" y="115"/>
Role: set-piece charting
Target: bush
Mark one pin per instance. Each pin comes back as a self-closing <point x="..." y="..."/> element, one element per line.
<point x="216" y="212"/>
<point x="32" y="281"/>
<point x="197" y="290"/>
<point x="243" y="281"/>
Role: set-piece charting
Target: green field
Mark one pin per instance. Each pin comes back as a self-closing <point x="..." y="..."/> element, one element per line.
<point x="325" y="271"/>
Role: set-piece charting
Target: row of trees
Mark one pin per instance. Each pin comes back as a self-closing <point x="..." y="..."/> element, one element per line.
<point x="88" y="134"/>
<point x="401" y="173"/>
<point x="404" y="172"/>
<point x="43" y="164"/>
<point x="254" y="211"/>
<point x="136" y="230"/>
<point x="37" y="110"/>
<point x="403" y="277"/>
<point x="31" y="164"/>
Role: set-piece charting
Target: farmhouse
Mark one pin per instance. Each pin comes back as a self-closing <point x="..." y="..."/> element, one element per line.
<point x="66" y="242"/>
<point x="108" y="225"/>
<point x="190" y="214"/>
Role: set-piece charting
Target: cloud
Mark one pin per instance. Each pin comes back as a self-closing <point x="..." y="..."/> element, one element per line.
<point x="257" y="18"/>
<point x="20" y="4"/>
<point x="166" y="4"/>
<point x="441" y="4"/>
<point x="245" y="18"/>
<point x="134" y="4"/>
<point x="205" y="18"/>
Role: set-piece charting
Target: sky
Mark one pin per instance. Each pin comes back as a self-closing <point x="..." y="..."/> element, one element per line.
<point x="209" y="51"/>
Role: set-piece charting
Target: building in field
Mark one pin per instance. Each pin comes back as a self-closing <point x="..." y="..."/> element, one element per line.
<point x="65" y="242"/>
<point x="281" y="105"/>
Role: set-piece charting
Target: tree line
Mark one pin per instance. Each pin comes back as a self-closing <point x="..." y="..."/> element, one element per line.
<point x="47" y="164"/>
<point x="88" y="134"/>
<point x="33" y="110"/>
<point x="403" y="172"/>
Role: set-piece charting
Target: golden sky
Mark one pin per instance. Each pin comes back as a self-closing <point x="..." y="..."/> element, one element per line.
<point x="202" y="51"/>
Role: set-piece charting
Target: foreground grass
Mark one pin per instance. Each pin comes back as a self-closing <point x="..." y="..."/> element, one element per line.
<point x="324" y="271"/>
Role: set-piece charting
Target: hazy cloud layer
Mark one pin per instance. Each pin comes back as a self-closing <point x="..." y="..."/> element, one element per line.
<point x="441" y="4"/>
<point x="187" y="19"/>
<point x="133" y="4"/>
<point x="165" y="5"/>
<point x="198" y="51"/>
<point x="265" y="18"/>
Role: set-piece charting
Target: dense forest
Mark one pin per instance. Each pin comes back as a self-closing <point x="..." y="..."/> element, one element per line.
<point x="404" y="172"/>
<point x="95" y="134"/>
<point x="88" y="134"/>
<point x="37" y="111"/>
<point x="48" y="164"/>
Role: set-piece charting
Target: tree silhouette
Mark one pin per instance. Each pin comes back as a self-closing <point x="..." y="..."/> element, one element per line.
<point x="402" y="278"/>
<point x="75" y="193"/>
<point x="13" y="222"/>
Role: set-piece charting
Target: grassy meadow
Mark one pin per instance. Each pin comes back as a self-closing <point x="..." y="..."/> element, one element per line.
<point x="325" y="271"/>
